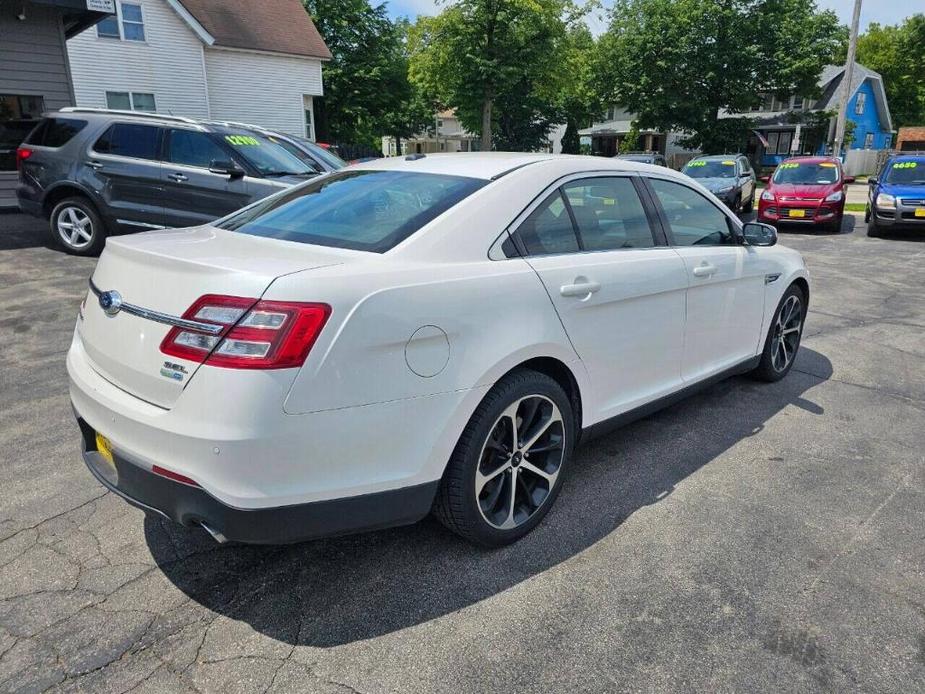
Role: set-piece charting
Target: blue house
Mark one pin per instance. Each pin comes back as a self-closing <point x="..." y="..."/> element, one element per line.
<point x="782" y="126"/>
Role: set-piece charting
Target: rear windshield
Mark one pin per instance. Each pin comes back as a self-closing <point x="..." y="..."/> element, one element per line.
<point x="360" y="210"/>
<point x="55" y="132"/>
<point x="801" y="173"/>
<point x="265" y="154"/>
<point x="711" y="168"/>
<point x="910" y="172"/>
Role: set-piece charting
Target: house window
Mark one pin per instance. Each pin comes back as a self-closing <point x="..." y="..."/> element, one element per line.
<point x="127" y="24"/>
<point x="887" y="141"/>
<point x="309" y="117"/>
<point x="859" y="103"/>
<point x="783" y="145"/>
<point x="869" y="141"/>
<point x="131" y="101"/>
<point x="773" y="139"/>
<point x="18" y="115"/>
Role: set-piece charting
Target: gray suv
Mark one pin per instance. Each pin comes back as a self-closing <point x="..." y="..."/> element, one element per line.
<point x="729" y="177"/>
<point x="95" y="172"/>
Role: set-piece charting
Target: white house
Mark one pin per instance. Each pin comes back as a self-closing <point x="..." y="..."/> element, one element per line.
<point x="234" y="60"/>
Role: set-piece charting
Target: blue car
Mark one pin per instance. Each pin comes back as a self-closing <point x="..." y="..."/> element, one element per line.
<point x="896" y="198"/>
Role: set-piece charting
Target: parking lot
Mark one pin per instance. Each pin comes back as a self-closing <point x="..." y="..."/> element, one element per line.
<point x="753" y="538"/>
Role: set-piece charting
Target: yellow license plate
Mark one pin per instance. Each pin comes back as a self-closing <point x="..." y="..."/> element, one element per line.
<point x="104" y="448"/>
<point x="797" y="213"/>
<point x="920" y="211"/>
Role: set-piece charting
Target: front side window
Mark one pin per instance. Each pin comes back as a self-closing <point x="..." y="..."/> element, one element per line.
<point x="694" y="220"/>
<point x="549" y="229"/>
<point x="359" y="210"/>
<point x="609" y="214"/>
<point x="129" y="140"/>
<point x="190" y="148"/>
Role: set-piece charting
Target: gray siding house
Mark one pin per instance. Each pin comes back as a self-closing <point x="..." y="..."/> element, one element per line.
<point x="34" y="71"/>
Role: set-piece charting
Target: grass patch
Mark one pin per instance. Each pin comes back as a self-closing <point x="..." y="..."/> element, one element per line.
<point x="855" y="206"/>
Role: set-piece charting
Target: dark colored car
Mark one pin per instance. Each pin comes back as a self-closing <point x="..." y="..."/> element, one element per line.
<point x="896" y="198"/>
<point x="644" y="158"/>
<point x="729" y="177"/>
<point x="95" y="172"/>
<point x="805" y="190"/>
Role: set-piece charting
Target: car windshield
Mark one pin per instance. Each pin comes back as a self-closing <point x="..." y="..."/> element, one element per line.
<point x="325" y="155"/>
<point x="807" y="174"/>
<point x="711" y="168"/>
<point x="360" y="210"/>
<point x="908" y="172"/>
<point x="265" y="155"/>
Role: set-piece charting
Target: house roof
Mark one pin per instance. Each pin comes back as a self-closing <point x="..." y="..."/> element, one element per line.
<point x="830" y="83"/>
<point x="277" y="26"/>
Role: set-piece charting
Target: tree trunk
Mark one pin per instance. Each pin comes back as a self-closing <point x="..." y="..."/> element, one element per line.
<point x="398" y="145"/>
<point x="486" y="124"/>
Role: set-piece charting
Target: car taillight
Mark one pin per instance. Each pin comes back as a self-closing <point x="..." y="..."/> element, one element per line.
<point x="22" y="153"/>
<point x="255" y="334"/>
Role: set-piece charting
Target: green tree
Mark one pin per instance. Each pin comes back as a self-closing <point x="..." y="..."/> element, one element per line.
<point x="580" y="100"/>
<point x="497" y="63"/>
<point x="898" y="54"/>
<point x="366" y="82"/>
<point x="679" y="63"/>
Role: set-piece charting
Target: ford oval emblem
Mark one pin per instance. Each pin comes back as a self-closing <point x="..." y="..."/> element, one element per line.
<point x="110" y="302"/>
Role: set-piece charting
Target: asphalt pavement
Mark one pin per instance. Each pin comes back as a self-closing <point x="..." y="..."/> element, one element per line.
<point x="753" y="538"/>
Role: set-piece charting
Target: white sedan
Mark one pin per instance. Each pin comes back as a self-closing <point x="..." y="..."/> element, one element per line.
<point x="428" y="333"/>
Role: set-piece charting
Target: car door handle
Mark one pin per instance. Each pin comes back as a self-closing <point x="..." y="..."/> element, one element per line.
<point x="580" y="289"/>
<point x="95" y="164"/>
<point x="705" y="270"/>
<point x="178" y="177"/>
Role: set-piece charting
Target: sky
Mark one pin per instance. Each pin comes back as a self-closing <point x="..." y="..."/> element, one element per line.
<point x="882" y="11"/>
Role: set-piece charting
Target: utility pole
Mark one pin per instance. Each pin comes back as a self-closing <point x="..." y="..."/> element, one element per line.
<point x="846" y="80"/>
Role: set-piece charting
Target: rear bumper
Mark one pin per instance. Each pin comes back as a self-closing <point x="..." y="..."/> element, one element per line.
<point x="189" y="505"/>
<point x="30" y="206"/>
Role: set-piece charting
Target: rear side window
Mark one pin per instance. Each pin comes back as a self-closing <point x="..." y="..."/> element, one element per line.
<point x="609" y="214"/>
<point x="55" y="132"/>
<point x="360" y="210"/>
<point x="548" y="230"/>
<point x="129" y="140"/>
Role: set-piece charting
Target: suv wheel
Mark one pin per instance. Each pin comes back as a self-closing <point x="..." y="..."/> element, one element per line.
<point x="510" y="461"/>
<point x="77" y="227"/>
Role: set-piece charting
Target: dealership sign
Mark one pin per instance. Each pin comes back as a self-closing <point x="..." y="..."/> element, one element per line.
<point x="102" y="6"/>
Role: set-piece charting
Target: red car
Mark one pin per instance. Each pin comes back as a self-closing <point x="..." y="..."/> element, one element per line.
<point x="805" y="190"/>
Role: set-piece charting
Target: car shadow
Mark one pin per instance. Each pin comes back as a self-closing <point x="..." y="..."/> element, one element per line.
<point x="19" y="231"/>
<point x="335" y="591"/>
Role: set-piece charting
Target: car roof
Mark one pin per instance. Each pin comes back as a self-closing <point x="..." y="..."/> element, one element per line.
<point x="813" y="160"/>
<point x="493" y="165"/>
<point x="716" y="156"/>
<point x="917" y="156"/>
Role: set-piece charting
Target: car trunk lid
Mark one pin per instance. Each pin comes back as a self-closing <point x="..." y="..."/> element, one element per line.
<point x="163" y="273"/>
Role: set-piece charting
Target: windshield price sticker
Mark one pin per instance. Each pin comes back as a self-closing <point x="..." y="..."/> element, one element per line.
<point x="697" y="163"/>
<point x="790" y="165"/>
<point x="729" y="163"/>
<point x="241" y="140"/>
<point x="905" y="165"/>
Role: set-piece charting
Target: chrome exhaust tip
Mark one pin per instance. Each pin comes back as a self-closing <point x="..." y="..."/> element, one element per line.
<point x="216" y="535"/>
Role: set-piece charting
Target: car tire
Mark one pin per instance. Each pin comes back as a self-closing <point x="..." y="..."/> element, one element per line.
<point x="77" y="227"/>
<point x="474" y="499"/>
<point x="781" y="346"/>
<point x="751" y="204"/>
<point x="867" y="214"/>
<point x="873" y="231"/>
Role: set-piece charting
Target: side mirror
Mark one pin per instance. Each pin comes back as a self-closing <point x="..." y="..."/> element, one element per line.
<point x="759" y="234"/>
<point x="764" y="179"/>
<point x="872" y="181"/>
<point x="226" y="167"/>
<point x="849" y="179"/>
